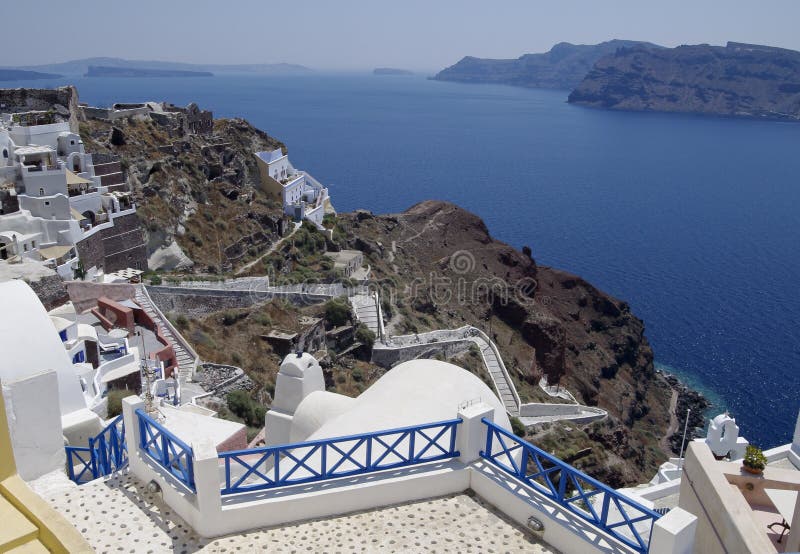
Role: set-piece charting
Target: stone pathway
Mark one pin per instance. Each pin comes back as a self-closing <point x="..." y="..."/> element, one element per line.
<point x="119" y="515"/>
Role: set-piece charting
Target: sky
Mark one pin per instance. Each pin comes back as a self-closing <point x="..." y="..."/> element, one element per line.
<point x="356" y="35"/>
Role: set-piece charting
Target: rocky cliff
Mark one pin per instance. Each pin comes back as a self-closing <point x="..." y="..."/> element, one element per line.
<point x="440" y="268"/>
<point x="563" y="67"/>
<point x="741" y="80"/>
<point x="198" y="196"/>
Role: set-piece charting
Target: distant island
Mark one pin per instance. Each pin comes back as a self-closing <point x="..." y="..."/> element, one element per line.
<point x="22" y="75"/>
<point x="105" y="71"/>
<point x="742" y="80"/>
<point x="563" y="67"/>
<point x="391" y="71"/>
<point x="81" y="67"/>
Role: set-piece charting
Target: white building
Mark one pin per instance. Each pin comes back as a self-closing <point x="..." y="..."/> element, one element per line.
<point x="50" y="197"/>
<point x="302" y="196"/>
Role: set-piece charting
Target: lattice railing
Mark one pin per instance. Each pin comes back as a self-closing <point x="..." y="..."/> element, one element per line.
<point x="166" y="449"/>
<point x="616" y="514"/>
<point x="107" y="452"/>
<point x="291" y="464"/>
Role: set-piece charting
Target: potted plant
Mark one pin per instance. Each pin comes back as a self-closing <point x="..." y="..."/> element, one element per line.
<point x="754" y="460"/>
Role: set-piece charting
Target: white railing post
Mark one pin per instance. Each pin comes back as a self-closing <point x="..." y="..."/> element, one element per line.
<point x="471" y="436"/>
<point x="674" y="533"/>
<point x="132" y="434"/>
<point x="207" y="485"/>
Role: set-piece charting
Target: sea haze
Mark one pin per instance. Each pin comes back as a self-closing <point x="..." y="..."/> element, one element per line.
<point x="692" y="220"/>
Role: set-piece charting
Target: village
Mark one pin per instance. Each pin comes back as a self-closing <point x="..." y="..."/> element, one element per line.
<point x="105" y="394"/>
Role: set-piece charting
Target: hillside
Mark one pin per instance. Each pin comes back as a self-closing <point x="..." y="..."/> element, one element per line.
<point x="439" y="268"/>
<point x="563" y="67"/>
<point x="19" y="75"/>
<point x="197" y="196"/>
<point x="739" y="80"/>
<point x="107" y="71"/>
<point x="81" y="66"/>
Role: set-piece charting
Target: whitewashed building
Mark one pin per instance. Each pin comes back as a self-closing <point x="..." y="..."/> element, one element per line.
<point x="302" y="196"/>
<point x="51" y="199"/>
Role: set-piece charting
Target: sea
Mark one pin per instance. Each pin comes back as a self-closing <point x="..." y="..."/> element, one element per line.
<point x="694" y="221"/>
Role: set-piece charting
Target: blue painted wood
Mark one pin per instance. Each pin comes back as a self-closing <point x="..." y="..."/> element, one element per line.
<point x="503" y="448"/>
<point x="319" y="460"/>
<point x="166" y="449"/>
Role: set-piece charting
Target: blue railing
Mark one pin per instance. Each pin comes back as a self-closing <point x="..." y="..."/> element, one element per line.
<point x="107" y="452"/>
<point x="291" y="464"/>
<point x="624" y="519"/>
<point x="166" y="449"/>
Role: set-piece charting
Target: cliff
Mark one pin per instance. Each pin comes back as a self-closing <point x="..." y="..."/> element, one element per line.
<point x="739" y="80"/>
<point x="19" y="74"/>
<point x="442" y="269"/>
<point x="563" y="67"/>
<point x="198" y="196"/>
<point x="108" y="71"/>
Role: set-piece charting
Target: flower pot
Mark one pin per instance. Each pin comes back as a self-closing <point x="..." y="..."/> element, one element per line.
<point x="752" y="470"/>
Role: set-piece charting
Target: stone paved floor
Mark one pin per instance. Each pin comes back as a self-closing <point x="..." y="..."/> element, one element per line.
<point x="119" y="515"/>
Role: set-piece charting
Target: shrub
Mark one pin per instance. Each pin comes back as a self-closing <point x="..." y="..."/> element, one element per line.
<point x="337" y="312"/>
<point x="115" y="401"/>
<point x="155" y="280"/>
<point x="357" y="374"/>
<point x="242" y="405"/>
<point x="181" y="322"/>
<point x="365" y="336"/>
<point x="518" y="427"/>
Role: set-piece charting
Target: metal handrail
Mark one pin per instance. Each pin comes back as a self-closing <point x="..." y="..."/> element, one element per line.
<point x="332" y="458"/>
<point x="166" y="449"/>
<point x="516" y="459"/>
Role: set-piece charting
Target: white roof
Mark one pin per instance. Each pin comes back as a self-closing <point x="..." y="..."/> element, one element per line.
<point x="270" y="156"/>
<point x="33" y="149"/>
<point x="412" y="393"/>
<point x="30" y="344"/>
<point x="192" y="427"/>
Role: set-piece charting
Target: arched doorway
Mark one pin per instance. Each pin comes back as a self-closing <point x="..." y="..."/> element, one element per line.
<point x="89" y="214"/>
<point x="4" y="250"/>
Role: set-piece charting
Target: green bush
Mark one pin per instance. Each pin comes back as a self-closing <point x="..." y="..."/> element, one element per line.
<point x="365" y="336"/>
<point x="357" y="374"/>
<point x="242" y="405"/>
<point x="115" y="401"/>
<point x="155" y="280"/>
<point x="518" y="427"/>
<point x="337" y="312"/>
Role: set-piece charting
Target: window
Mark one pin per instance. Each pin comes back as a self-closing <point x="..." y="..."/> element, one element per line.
<point x="63" y="335"/>
<point x="5" y="152"/>
<point x="46" y="202"/>
<point x="25" y="247"/>
<point x="72" y="142"/>
<point x="33" y="244"/>
<point x="41" y="191"/>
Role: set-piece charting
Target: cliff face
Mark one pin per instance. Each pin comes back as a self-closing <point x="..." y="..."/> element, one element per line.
<point x="441" y="269"/>
<point x="736" y="80"/>
<point x="563" y="67"/>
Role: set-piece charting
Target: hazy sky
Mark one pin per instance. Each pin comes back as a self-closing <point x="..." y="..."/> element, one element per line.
<point x="349" y="34"/>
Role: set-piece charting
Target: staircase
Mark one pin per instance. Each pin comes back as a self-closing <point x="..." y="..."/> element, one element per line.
<point x="186" y="360"/>
<point x="498" y="375"/>
<point x="365" y="308"/>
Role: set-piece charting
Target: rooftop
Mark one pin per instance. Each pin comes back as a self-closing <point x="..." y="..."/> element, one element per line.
<point x="120" y="514"/>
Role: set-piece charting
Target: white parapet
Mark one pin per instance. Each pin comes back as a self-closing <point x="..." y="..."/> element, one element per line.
<point x="471" y="436"/>
<point x="674" y="533"/>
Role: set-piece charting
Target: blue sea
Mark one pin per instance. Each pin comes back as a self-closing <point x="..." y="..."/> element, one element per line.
<point x="695" y="221"/>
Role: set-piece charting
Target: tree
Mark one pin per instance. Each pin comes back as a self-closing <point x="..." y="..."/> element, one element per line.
<point x="365" y="336"/>
<point x="337" y="312"/>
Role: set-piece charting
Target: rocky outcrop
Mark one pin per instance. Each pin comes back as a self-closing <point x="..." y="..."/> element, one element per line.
<point x="563" y="67"/>
<point x="741" y="80"/>
<point x="61" y="102"/>
<point x="440" y="269"/>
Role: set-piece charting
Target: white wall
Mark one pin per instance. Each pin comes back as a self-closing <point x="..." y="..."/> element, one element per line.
<point x="34" y="420"/>
<point x="41" y="135"/>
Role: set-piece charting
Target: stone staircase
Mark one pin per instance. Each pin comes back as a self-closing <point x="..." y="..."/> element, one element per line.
<point x="365" y="308"/>
<point x="496" y="371"/>
<point x="186" y="360"/>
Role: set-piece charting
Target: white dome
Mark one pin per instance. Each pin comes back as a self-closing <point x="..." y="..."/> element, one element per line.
<point x="413" y="393"/>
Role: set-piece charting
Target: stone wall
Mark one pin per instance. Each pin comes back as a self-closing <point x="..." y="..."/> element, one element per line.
<point x="390" y="357"/>
<point x="51" y="291"/>
<point x="201" y="302"/>
<point x="118" y="247"/>
<point x="28" y="99"/>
